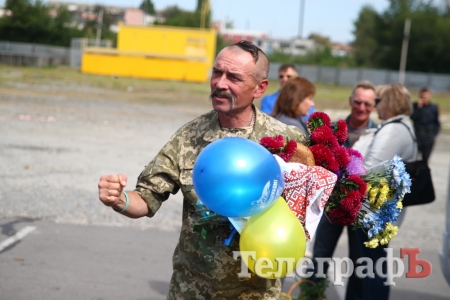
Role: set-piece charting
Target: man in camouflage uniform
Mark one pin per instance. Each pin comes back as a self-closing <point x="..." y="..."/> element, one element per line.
<point x="203" y="267"/>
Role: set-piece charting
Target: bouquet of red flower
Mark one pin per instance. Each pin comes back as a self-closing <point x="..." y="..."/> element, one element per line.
<point x="326" y="140"/>
<point x="288" y="150"/>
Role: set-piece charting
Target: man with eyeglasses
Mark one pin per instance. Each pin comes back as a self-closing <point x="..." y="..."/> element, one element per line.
<point x="362" y="103"/>
<point x="285" y="72"/>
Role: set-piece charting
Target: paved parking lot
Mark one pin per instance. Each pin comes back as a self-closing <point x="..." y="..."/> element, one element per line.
<point x="53" y="151"/>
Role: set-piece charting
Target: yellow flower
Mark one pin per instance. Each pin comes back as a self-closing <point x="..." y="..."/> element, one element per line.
<point x="373" y="195"/>
<point x="387" y="234"/>
<point x="399" y="204"/>
<point x="373" y="243"/>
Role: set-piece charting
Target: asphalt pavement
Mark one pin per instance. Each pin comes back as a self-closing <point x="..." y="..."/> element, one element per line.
<point x="57" y="240"/>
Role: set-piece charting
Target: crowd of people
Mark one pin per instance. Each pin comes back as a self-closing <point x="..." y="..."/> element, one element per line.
<point x="239" y="76"/>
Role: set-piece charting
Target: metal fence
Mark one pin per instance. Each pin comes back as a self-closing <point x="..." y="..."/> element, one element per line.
<point x="349" y="76"/>
<point x="32" y="54"/>
<point x="45" y="55"/>
<point x="77" y="46"/>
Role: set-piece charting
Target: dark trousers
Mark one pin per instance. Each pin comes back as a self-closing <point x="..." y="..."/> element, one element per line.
<point x="327" y="236"/>
<point x="425" y="143"/>
<point x="374" y="288"/>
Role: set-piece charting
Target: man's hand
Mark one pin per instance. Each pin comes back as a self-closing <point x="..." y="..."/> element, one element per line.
<point x="420" y="103"/>
<point x="110" y="188"/>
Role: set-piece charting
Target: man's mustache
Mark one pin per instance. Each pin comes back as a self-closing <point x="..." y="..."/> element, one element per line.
<point x="222" y="94"/>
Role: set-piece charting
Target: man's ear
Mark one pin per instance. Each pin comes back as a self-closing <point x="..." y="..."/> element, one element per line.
<point x="350" y="100"/>
<point x="261" y="88"/>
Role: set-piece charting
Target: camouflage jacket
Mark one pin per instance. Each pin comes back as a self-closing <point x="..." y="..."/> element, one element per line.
<point x="208" y="272"/>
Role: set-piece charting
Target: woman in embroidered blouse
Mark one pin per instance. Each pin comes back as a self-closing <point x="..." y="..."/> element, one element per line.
<point x="294" y="101"/>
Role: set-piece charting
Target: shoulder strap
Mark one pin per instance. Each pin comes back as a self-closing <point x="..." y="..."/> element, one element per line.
<point x="398" y="121"/>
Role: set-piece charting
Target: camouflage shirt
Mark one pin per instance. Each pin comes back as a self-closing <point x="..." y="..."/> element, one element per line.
<point x="207" y="272"/>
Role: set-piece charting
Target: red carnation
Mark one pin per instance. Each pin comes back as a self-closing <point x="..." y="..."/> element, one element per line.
<point x="324" y="157"/>
<point x="318" y="119"/>
<point x="342" y="156"/>
<point x="346" y="220"/>
<point x="340" y="217"/>
<point x="351" y="202"/>
<point x="289" y="151"/>
<point x="353" y="152"/>
<point x="341" y="132"/>
<point x="323" y="135"/>
<point x="362" y="186"/>
<point x="272" y="143"/>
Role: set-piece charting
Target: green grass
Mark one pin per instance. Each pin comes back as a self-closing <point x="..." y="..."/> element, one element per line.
<point x="327" y="97"/>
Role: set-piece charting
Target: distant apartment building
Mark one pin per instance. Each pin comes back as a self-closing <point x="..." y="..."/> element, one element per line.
<point x="236" y="35"/>
<point x="88" y="12"/>
<point x="294" y="46"/>
<point x="341" y="50"/>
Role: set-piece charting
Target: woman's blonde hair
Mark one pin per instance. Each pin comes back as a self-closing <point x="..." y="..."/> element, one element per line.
<point x="294" y="91"/>
<point x="395" y="100"/>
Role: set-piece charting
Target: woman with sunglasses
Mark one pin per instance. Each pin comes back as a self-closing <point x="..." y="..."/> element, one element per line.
<point x="394" y="136"/>
<point x="294" y="102"/>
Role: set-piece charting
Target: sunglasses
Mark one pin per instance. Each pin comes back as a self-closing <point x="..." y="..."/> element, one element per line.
<point x="359" y="102"/>
<point x="282" y="76"/>
<point x="377" y="101"/>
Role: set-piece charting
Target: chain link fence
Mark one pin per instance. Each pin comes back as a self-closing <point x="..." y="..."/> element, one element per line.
<point x="349" y="76"/>
<point x="32" y="54"/>
<point x="44" y="55"/>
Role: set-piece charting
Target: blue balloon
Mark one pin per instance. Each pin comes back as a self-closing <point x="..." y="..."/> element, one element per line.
<point x="236" y="177"/>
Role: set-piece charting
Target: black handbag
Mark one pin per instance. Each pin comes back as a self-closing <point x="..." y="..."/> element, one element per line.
<point x="422" y="189"/>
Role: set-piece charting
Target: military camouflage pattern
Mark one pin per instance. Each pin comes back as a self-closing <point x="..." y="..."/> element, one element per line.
<point x="209" y="272"/>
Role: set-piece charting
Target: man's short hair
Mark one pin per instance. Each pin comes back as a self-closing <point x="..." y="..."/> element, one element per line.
<point x="256" y="53"/>
<point x="285" y="67"/>
<point x="364" y="84"/>
<point x="424" y="90"/>
<point x="250" y="48"/>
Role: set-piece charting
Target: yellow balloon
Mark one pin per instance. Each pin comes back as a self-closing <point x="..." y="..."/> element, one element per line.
<point x="275" y="241"/>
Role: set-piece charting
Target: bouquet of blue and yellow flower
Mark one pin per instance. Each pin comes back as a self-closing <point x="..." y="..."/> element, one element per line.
<point x="387" y="184"/>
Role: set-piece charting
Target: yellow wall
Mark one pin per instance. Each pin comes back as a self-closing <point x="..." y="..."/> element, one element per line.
<point x="144" y="67"/>
<point x="168" y="40"/>
<point x="171" y="53"/>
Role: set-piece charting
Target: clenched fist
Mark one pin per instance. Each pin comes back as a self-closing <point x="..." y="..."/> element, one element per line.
<point x="110" y="189"/>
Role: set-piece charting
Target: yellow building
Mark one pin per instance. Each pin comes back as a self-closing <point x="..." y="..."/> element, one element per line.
<point x="157" y="52"/>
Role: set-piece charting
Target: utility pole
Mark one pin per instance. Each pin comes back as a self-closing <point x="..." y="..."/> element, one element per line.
<point x="203" y="12"/>
<point x="401" y="74"/>
<point x="99" y="28"/>
<point x="302" y="14"/>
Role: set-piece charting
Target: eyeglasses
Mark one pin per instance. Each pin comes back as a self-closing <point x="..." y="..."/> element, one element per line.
<point x="282" y="76"/>
<point x="377" y="101"/>
<point x="359" y="102"/>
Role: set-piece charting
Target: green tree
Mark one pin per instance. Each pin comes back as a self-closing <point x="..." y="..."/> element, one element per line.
<point x="148" y="7"/>
<point x="379" y="36"/>
<point x="176" y="16"/>
<point x="31" y="22"/>
<point x="320" y="39"/>
<point x="91" y="26"/>
<point x="365" y="41"/>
